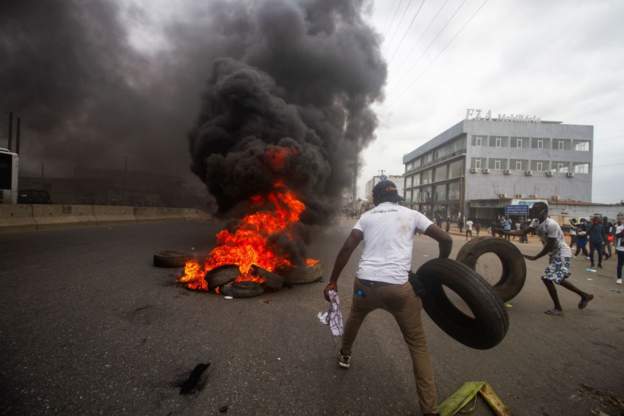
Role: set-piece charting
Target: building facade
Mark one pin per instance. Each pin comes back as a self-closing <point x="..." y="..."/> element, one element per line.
<point x="489" y="159"/>
<point x="370" y="184"/>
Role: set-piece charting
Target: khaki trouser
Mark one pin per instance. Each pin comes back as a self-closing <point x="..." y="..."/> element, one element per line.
<point x="405" y="306"/>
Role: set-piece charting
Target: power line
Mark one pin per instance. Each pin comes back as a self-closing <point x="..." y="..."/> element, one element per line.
<point x="437" y="35"/>
<point x="408" y="29"/>
<point x="455" y="36"/>
<point x="394" y="16"/>
<point x="425" y="30"/>
<point x="398" y="25"/>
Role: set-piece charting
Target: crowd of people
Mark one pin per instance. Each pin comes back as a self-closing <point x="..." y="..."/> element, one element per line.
<point x="598" y="239"/>
<point x="604" y="238"/>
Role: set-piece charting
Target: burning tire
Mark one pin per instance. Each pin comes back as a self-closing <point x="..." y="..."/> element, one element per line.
<point x="514" y="266"/>
<point x="170" y="258"/>
<point x="304" y="274"/>
<point x="242" y="290"/>
<point x="221" y="275"/>
<point x="272" y="280"/>
<point x="490" y="322"/>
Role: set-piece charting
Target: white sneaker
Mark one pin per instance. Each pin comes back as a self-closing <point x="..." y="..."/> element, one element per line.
<point x="618" y="281"/>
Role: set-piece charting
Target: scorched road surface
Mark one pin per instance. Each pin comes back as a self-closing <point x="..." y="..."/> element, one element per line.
<point x="88" y="326"/>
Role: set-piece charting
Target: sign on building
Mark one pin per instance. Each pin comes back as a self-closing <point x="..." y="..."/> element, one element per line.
<point x="517" y="210"/>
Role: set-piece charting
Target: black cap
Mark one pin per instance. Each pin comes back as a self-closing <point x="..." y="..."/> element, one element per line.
<point x="386" y="191"/>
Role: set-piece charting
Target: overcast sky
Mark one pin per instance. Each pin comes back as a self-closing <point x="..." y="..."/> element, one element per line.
<point x="558" y="59"/>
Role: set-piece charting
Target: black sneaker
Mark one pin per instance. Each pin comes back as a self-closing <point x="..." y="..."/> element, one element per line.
<point x="344" y="361"/>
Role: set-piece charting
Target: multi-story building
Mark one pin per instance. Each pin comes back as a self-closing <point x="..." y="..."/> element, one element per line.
<point x="485" y="159"/>
<point x="370" y="184"/>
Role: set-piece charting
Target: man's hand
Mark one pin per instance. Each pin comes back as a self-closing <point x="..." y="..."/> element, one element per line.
<point x="330" y="286"/>
<point x="445" y="242"/>
<point x="526" y="256"/>
<point x="342" y="258"/>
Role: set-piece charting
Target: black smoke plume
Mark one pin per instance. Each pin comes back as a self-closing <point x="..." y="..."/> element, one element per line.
<point x="302" y="75"/>
<point x="298" y="73"/>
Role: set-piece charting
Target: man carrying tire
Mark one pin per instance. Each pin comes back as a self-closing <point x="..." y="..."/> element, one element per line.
<point x="558" y="269"/>
<point x="382" y="279"/>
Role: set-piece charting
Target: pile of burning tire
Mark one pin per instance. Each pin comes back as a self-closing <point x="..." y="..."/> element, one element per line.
<point x="223" y="279"/>
<point x="489" y="322"/>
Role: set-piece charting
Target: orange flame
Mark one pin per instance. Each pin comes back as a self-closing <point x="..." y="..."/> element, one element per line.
<point x="248" y="245"/>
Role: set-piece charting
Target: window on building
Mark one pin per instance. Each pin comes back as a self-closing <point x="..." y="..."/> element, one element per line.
<point x="453" y="191"/>
<point x="562" y="167"/>
<point x="499" y="142"/>
<point x="425" y="194"/>
<point x="416" y="179"/>
<point x="440" y="192"/>
<point x="581" y="168"/>
<point x="477" y="141"/>
<point x="425" y="177"/>
<point x="539" y="165"/>
<point x="540" y="143"/>
<point x="518" y="165"/>
<point x="560" y="144"/>
<point x="440" y="173"/>
<point x="581" y="145"/>
<point x="416" y="195"/>
<point x="476" y="163"/>
<point x="456" y="169"/>
<point x="498" y="164"/>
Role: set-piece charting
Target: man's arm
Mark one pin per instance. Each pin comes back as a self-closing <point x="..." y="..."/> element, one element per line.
<point x="342" y="259"/>
<point x="445" y="242"/>
<point x="548" y="247"/>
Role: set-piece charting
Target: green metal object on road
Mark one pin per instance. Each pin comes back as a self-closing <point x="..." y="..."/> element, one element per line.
<point x="465" y="395"/>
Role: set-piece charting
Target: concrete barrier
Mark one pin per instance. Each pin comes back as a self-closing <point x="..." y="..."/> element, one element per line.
<point x="48" y="214"/>
<point x="16" y="215"/>
<point x="108" y="213"/>
<point x="157" y="213"/>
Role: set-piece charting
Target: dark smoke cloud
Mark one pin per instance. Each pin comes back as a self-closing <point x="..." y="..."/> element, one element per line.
<point x="303" y="75"/>
<point x="299" y="73"/>
<point x="85" y="95"/>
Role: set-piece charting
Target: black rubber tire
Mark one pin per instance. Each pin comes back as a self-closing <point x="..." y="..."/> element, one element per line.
<point x="273" y="281"/>
<point x="242" y="290"/>
<point x="490" y="323"/>
<point x="221" y="275"/>
<point x="304" y="274"/>
<point x="171" y="258"/>
<point x="514" y="271"/>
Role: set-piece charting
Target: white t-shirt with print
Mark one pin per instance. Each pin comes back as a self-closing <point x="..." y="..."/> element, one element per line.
<point x="388" y="242"/>
<point x="619" y="242"/>
<point x="469" y="225"/>
<point x="550" y="229"/>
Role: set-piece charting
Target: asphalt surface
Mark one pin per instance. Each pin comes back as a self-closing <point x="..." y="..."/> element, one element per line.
<point x="88" y="326"/>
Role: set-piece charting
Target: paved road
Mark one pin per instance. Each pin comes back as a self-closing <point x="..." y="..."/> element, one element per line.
<point x="88" y="326"/>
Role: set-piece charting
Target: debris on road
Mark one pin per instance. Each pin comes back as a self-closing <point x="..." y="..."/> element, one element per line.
<point x="194" y="381"/>
<point x="468" y="393"/>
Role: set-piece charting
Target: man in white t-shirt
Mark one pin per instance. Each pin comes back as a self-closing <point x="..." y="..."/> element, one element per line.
<point x="382" y="279"/>
<point x="469" y="229"/>
<point x="558" y="269"/>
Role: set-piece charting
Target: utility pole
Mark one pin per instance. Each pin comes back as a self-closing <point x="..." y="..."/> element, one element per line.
<point x="17" y="135"/>
<point x="10" y="131"/>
